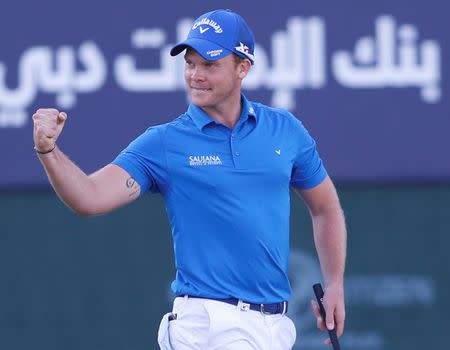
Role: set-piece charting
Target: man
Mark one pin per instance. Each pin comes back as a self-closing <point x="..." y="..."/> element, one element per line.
<point x="224" y="168"/>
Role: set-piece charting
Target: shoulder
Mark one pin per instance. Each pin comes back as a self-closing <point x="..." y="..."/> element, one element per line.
<point x="155" y="135"/>
<point x="278" y="116"/>
<point x="161" y="129"/>
<point x="181" y="122"/>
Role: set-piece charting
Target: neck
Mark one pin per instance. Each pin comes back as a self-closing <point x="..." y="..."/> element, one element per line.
<point x="227" y="113"/>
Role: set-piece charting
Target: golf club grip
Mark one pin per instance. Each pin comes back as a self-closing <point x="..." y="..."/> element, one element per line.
<point x="318" y="291"/>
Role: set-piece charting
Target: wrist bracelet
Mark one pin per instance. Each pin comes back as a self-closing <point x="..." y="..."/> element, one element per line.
<point x="45" y="152"/>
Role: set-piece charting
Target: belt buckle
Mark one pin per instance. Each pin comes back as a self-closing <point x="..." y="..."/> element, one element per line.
<point x="244" y="306"/>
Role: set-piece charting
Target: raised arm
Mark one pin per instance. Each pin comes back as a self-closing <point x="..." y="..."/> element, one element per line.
<point x="98" y="193"/>
<point x="330" y="238"/>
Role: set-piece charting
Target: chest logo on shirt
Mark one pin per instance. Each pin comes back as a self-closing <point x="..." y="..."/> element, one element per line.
<point x="204" y="160"/>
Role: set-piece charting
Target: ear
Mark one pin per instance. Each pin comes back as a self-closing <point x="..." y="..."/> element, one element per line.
<point x="244" y="67"/>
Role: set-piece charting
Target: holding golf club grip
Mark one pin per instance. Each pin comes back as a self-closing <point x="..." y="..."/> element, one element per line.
<point x="318" y="291"/>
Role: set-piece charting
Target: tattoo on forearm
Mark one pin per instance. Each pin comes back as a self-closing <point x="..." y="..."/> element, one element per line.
<point x="133" y="186"/>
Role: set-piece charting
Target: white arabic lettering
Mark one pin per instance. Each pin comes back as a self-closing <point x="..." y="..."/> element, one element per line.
<point x="296" y="60"/>
<point x="38" y="73"/>
<point x="378" y="64"/>
<point x="132" y="79"/>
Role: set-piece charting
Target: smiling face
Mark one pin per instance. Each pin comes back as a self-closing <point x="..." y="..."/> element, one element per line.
<point x="212" y="84"/>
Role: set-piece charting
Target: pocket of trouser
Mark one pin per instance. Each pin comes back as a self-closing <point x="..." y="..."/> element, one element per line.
<point x="292" y="332"/>
<point x="163" y="333"/>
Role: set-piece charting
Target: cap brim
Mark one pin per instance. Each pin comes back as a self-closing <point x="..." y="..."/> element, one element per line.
<point x="207" y="49"/>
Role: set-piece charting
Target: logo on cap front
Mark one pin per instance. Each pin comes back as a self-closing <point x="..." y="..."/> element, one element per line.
<point x="208" y="22"/>
<point x="214" y="53"/>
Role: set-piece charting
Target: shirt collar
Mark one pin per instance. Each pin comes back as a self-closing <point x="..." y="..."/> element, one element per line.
<point x="201" y="119"/>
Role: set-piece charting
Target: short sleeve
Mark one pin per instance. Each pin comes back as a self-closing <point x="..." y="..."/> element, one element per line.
<point x="144" y="160"/>
<point x="308" y="170"/>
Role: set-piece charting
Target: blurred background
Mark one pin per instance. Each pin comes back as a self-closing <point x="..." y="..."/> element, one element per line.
<point x="369" y="80"/>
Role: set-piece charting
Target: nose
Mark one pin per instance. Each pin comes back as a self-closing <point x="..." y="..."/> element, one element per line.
<point x="197" y="73"/>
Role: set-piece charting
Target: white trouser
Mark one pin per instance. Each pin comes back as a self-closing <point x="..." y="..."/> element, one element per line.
<point x="215" y="325"/>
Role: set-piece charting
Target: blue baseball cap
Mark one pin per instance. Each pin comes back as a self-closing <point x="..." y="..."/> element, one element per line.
<point x="218" y="33"/>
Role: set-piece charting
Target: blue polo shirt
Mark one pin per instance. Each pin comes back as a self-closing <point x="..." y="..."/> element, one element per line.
<point x="227" y="197"/>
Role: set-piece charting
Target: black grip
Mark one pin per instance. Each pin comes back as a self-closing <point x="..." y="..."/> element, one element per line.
<point x="318" y="291"/>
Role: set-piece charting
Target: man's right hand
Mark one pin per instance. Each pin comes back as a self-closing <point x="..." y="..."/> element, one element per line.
<point x="94" y="194"/>
<point x="48" y="124"/>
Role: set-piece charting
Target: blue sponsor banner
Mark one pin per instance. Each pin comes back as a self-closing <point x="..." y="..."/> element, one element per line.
<point x="368" y="79"/>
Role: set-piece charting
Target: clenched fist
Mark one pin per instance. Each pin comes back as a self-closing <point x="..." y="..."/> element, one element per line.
<point x="48" y="124"/>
